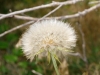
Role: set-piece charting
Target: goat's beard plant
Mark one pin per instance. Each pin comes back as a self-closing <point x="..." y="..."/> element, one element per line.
<point x="48" y="38"/>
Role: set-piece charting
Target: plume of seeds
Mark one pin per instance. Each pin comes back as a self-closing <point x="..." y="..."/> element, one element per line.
<point x="48" y="36"/>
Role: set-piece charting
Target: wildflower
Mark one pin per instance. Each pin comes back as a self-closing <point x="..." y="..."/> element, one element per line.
<point x="48" y="36"/>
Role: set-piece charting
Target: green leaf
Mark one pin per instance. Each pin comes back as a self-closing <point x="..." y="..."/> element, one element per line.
<point x="39" y="69"/>
<point x="40" y="51"/>
<point x="3" y="45"/>
<point x="64" y="49"/>
<point x="11" y="36"/>
<point x="55" y="64"/>
<point x="17" y="52"/>
<point x="56" y="58"/>
<point x="49" y="57"/>
<point x="3" y="69"/>
<point x="23" y="64"/>
<point x="10" y="58"/>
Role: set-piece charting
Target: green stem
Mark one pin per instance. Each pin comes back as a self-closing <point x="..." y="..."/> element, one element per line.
<point x="55" y="64"/>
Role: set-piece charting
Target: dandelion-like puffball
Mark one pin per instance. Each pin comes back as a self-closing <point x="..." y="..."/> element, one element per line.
<point x="48" y="36"/>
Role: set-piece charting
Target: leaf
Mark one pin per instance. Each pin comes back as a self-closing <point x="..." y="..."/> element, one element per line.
<point x="55" y="64"/>
<point x="3" y="69"/>
<point x="12" y="36"/>
<point x="67" y="50"/>
<point x="17" y="52"/>
<point x="49" y="57"/>
<point x="23" y="64"/>
<point x="3" y="45"/>
<point x="39" y="69"/>
<point x="56" y="58"/>
<point x="40" y="51"/>
<point x="10" y="58"/>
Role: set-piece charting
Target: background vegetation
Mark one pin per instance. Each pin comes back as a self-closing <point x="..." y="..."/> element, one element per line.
<point x="12" y="60"/>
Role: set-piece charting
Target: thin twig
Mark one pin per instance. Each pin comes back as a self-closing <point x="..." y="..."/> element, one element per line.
<point x="77" y="54"/>
<point x="28" y="23"/>
<point x="94" y="2"/>
<point x="84" y="57"/>
<point x="15" y="28"/>
<point x="86" y="11"/>
<point x="38" y="7"/>
<point x="61" y="17"/>
<point x="83" y="43"/>
<point x="22" y="17"/>
<point x="51" y="12"/>
<point x="84" y="48"/>
<point x="37" y="73"/>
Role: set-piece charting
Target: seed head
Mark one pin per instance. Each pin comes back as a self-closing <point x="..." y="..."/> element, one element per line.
<point x="48" y="36"/>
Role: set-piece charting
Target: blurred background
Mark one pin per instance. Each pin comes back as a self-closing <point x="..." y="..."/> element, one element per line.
<point x="12" y="59"/>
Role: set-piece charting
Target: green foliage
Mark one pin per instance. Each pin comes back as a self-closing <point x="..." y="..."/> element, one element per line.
<point x="3" y="69"/>
<point x="11" y="37"/>
<point x="3" y="45"/>
<point x="10" y="58"/>
<point x="23" y="64"/>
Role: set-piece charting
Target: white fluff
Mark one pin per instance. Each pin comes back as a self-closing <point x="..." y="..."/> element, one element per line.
<point x="51" y="35"/>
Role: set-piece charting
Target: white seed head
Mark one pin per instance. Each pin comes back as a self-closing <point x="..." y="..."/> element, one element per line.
<point x="48" y="35"/>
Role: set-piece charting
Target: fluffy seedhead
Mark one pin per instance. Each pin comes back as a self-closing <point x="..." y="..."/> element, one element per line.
<point x="48" y="36"/>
